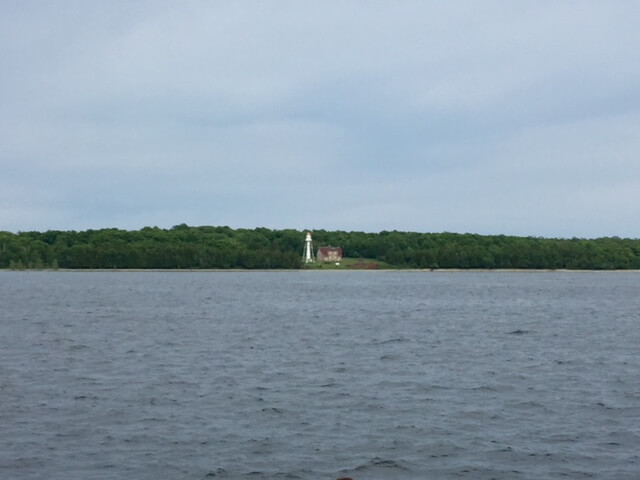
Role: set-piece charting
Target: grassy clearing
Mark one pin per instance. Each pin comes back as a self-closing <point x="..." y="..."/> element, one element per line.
<point x="349" y="264"/>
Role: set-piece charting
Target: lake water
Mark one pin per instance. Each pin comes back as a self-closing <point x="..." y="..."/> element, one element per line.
<point x="317" y="375"/>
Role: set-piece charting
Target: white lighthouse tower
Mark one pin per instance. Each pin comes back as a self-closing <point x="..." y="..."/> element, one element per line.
<point x="307" y="254"/>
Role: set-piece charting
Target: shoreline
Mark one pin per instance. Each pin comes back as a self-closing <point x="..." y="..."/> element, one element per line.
<point x="292" y="270"/>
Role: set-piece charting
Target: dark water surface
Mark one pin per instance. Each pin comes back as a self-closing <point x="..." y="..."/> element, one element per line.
<point x="316" y="375"/>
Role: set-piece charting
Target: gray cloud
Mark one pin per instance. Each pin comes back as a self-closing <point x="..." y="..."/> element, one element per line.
<point x="497" y="117"/>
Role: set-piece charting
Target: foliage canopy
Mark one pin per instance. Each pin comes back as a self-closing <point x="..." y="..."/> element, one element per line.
<point x="222" y="247"/>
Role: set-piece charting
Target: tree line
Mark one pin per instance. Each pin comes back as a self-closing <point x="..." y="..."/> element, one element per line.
<point x="187" y="247"/>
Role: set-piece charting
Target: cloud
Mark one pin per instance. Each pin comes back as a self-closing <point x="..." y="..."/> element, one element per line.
<point x="497" y="117"/>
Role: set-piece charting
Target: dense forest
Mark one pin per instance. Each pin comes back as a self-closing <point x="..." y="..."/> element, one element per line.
<point x="189" y="247"/>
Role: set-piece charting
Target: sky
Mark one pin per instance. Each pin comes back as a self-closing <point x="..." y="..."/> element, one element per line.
<point x="492" y="117"/>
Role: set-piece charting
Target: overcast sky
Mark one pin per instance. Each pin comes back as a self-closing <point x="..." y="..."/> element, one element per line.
<point x="492" y="117"/>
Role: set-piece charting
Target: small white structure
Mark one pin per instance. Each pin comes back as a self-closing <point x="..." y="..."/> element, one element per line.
<point x="307" y="254"/>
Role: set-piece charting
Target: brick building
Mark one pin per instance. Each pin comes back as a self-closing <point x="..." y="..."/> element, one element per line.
<point x="329" y="254"/>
